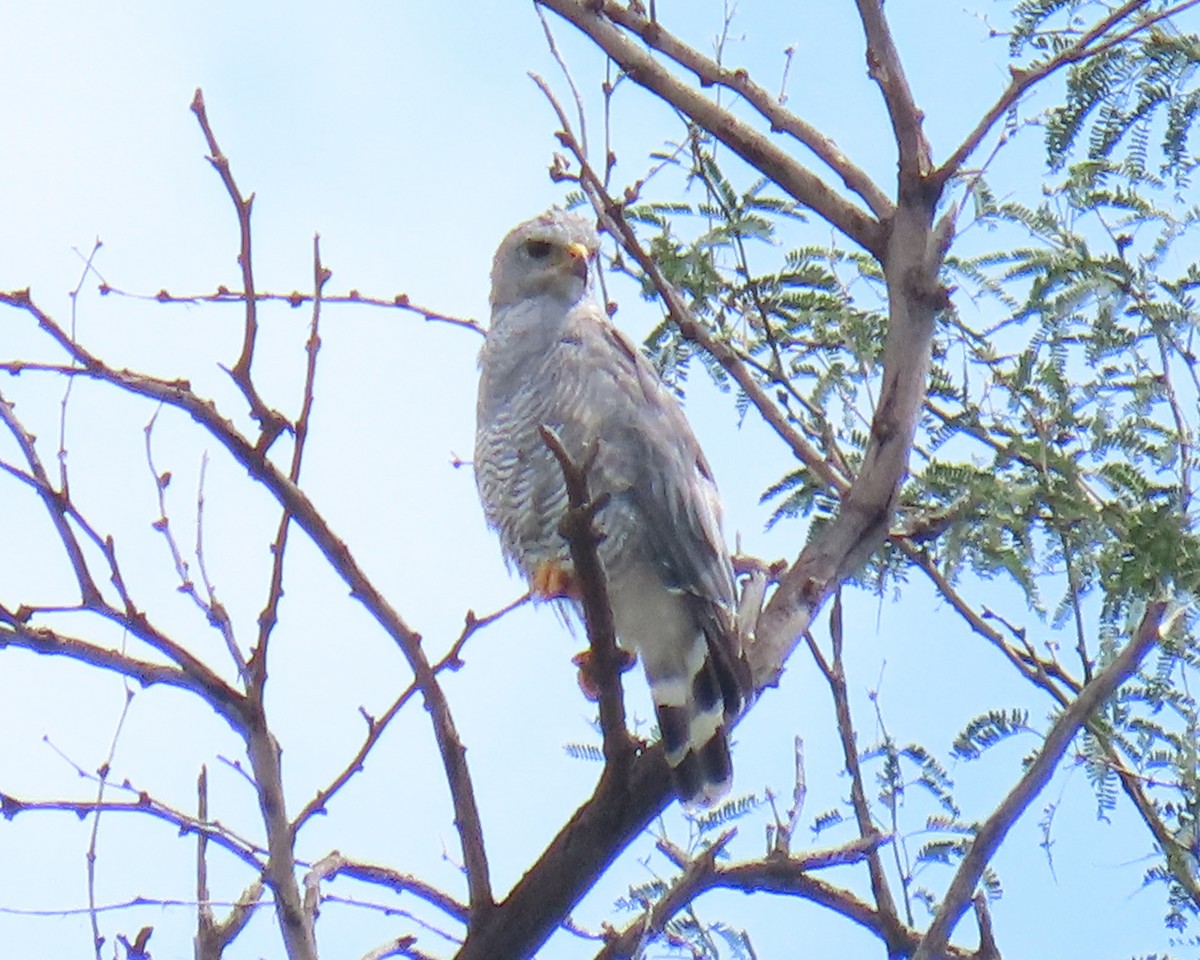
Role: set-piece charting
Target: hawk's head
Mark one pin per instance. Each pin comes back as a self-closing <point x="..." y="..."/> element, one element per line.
<point x="550" y="254"/>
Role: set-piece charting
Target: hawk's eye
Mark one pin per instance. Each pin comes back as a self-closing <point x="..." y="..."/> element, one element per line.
<point x="538" y="249"/>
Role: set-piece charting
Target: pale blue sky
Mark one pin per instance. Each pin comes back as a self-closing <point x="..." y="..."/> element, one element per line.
<point x="412" y="140"/>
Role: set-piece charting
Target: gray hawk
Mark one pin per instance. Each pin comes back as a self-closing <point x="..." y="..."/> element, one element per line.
<point x="552" y="359"/>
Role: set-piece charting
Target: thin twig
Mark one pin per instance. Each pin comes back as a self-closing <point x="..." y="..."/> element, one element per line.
<point x="270" y="612"/>
<point x="710" y="73"/>
<point x="102" y="782"/>
<point x="399" y="301"/>
<point x="834" y="672"/>
<point x="214" y="612"/>
<point x="270" y="422"/>
<point x="63" y="481"/>
<point x="376" y="726"/>
<point x="246" y="851"/>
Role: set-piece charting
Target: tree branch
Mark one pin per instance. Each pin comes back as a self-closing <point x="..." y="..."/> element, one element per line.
<point x="1025" y="79"/>
<point x="755" y="148"/>
<point x="399" y="301"/>
<point x="270" y="422"/>
<point x="835" y="676"/>
<point x="337" y="865"/>
<point x="887" y="70"/>
<point x="710" y="74"/>
<point x="244" y="850"/>
<point x="604" y="664"/>
<point x="1038" y="774"/>
<point x="178" y="394"/>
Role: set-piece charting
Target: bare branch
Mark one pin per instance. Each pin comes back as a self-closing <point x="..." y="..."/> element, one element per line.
<point x="835" y="676"/>
<point x="399" y="301"/>
<point x="887" y="70"/>
<point x="710" y="74"/>
<point x="786" y="876"/>
<point x="375" y="727"/>
<point x="63" y="482"/>
<point x="299" y="938"/>
<point x="246" y="851"/>
<point x="56" y="504"/>
<point x="178" y="393"/>
<point x="213" y="611"/>
<point x="270" y="612"/>
<point x="102" y="783"/>
<point x="270" y="422"/>
<point x="598" y="21"/>
<point x="336" y="865"/>
<point x="16" y="633"/>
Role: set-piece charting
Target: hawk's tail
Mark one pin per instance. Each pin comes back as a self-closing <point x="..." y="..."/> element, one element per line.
<point x="694" y="713"/>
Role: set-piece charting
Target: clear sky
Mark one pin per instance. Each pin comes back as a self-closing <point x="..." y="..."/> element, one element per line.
<point x="410" y="137"/>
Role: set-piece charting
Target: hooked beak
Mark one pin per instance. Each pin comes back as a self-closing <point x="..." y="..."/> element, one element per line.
<point x="579" y="255"/>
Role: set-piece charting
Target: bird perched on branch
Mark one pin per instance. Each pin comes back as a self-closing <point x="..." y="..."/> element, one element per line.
<point x="552" y="359"/>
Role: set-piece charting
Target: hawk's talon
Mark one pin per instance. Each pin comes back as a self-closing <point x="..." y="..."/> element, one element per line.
<point x="552" y="580"/>
<point x="587" y="677"/>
